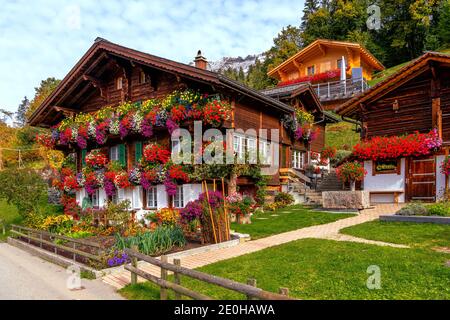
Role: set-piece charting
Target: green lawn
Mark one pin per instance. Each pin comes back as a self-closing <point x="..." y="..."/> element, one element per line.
<point x="9" y="215"/>
<point x="422" y="235"/>
<point x="283" y="220"/>
<point x="326" y="269"/>
<point x="341" y="135"/>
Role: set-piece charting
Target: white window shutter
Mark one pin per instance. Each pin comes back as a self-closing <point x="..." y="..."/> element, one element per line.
<point x="162" y="197"/>
<point x="102" y="199"/>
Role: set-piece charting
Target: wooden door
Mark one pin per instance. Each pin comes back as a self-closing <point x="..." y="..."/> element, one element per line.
<point x="421" y="179"/>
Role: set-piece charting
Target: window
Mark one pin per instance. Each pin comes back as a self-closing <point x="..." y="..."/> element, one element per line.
<point x="298" y="159"/>
<point x="152" y="198"/>
<point x="339" y="63"/>
<point x="136" y="197"/>
<point x="142" y="77"/>
<point x="311" y="70"/>
<point x="95" y="199"/>
<point x="176" y="146"/>
<point x="265" y="152"/>
<point x="178" y="198"/>
<point x="118" y="197"/>
<point x="244" y="144"/>
<point x="114" y="153"/>
<point x="119" y="83"/>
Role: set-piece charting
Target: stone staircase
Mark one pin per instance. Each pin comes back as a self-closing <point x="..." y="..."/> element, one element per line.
<point x="330" y="182"/>
<point x="313" y="197"/>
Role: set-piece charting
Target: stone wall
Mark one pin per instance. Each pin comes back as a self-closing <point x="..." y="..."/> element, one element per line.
<point x="346" y="199"/>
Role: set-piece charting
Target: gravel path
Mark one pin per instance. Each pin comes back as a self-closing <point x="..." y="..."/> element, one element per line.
<point x="26" y="277"/>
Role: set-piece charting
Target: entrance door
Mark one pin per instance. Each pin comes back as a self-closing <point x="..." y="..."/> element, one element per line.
<point x="422" y="179"/>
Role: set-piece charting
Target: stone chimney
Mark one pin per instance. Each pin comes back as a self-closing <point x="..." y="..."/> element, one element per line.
<point x="200" y="61"/>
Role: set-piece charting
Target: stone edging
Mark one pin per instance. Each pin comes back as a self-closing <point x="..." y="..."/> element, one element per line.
<point x="417" y="219"/>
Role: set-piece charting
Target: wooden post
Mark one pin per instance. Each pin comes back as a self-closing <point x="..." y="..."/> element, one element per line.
<point x="284" y="291"/>
<point x="251" y="282"/>
<point x="177" y="278"/>
<point x="74" y="254"/>
<point x="134" y="264"/>
<point x="225" y="211"/>
<point x="163" y="291"/>
<point x="210" y="213"/>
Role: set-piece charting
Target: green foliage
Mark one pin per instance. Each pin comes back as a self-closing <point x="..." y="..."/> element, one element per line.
<point x="341" y="135"/>
<point x="439" y="209"/>
<point x="284" y="198"/>
<point x="155" y="242"/>
<point x="118" y="214"/>
<point x="45" y="88"/>
<point x="420" y="209"/>
<point x="23" y="188"/>
<point x="443" y="26"/>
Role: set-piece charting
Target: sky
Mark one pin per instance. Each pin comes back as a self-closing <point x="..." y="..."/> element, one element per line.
<point x="41" y="39"/>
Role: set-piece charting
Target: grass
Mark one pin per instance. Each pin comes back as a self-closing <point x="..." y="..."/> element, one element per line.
<point x="10" y="215"/>
<point x="420" y="235"/>
<point x="326" y="269"/>
<point x="283" y="220"/>
<point x="341" y="136"/>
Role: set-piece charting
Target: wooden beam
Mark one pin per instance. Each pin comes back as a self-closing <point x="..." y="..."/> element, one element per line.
<point x="322" y="49"/>
<point x="298" y="65"/>
<point x="97" y="83"/>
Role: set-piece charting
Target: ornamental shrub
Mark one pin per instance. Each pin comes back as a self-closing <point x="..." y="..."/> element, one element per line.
<point x="439" y="209"/>
<point x="23" y="188"/>
<point x="413" y="209"/>
<point x="284" y="199"/>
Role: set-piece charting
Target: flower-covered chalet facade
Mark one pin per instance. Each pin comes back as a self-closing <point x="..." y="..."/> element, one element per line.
<point x="405" y="130"/>
<point x="115" y="113"/>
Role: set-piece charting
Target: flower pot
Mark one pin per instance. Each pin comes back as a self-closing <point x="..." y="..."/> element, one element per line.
<point x="352" y="185"/>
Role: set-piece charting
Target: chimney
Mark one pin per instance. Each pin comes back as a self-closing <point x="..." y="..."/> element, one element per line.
<point x="200" y="61"/>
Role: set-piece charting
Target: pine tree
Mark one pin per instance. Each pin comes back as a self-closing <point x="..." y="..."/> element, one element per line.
<point x="443" y="26"/>
<point x="21" y="118"/>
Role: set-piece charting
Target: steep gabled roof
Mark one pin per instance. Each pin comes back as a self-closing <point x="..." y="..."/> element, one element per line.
<point x="102" y="47"/>
<point x="317" y="44"/>
<point x="408" y="72"/>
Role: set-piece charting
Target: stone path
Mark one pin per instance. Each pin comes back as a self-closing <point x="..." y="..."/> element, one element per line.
<point x="325" y="231"/>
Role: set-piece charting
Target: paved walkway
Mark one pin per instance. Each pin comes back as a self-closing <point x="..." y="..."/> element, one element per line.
<point x="27" y="277"/>
<point x="325" y="231"/>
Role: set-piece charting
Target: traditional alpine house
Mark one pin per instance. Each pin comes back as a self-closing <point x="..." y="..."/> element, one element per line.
<point x="112" y="78"/>
<point x="402" y="121"/>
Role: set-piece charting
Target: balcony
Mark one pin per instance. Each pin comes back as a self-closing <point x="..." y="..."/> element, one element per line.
<point x="340" y="90"/>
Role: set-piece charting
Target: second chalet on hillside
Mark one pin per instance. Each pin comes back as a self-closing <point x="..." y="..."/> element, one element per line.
<point x="405" y="123"/>
<point x="336" y="70"/>
<point x="109" y="78"/>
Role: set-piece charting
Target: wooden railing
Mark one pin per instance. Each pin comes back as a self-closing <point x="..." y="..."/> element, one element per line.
<point x="250" y="290"/>
<point x="66" y="244"/>
<point x="295" y="173"/>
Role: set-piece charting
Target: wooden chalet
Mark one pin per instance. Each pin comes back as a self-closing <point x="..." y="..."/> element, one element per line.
<point x="109" y="74"/>
<point x="416" y="98"/>
<point x="320" y="64"/>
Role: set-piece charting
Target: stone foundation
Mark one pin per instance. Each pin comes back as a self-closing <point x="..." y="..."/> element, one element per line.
<point x="346" y="199"/>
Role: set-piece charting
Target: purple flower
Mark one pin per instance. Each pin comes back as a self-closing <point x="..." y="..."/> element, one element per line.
<point x="192" y="211"/>
<point x="100" y="136"/>
<point x="171" y="126"/>
<point x="171" y="187"/>
<point x="146" y="128"/>
<point x="110" y="188"/>
<point x="81" y="141"/>
<point x="298" y="134"/>
<point x="215" y="198"/>
<point x="123" y="130"/>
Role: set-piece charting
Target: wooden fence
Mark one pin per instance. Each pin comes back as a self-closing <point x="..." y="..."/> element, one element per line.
<point x="76" y="248"/>
<point x="249" y="289"/>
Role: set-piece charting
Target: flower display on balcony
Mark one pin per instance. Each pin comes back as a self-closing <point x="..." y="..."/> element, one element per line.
<point x="139" y="118"/>
<point x="415" y="144"/>
<point x="96" y="159"/>
<point x="301" y="125"/>
<point x="319" y="77"/>
<point x="155" y="153"/>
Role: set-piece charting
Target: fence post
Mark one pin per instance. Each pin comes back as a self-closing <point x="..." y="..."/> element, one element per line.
<point x="74" y="254"/>
<point x="177" y="278"/>
<point x="135" y="265"/>
<point x="251" y="282"/>
<point x="284" y="291"/>
<point x="163" y="291"/>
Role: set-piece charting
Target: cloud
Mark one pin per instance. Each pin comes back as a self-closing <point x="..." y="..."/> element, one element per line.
<point x="46" y="38"/>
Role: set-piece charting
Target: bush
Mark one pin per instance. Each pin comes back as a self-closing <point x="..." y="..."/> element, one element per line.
<point x="413" y="209"/>
<point x="439" y="209"/>
<point x="23" y="188"/>
<point x="340" y="155"/>
<point x="284" y="199"/>
<point x="156" y="242"/>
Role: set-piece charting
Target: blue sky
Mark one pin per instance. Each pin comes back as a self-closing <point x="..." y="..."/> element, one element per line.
<point x="46" y="38"/>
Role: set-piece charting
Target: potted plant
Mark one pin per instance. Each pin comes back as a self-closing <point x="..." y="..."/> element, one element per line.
<point x="240" y="207"/>
<point x="351" y="172"/>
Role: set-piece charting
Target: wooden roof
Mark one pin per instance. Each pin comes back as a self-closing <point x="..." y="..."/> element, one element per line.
<point x="96" y="60"/>
<point x="415" y="68"/>
<point x="317" y="47"/>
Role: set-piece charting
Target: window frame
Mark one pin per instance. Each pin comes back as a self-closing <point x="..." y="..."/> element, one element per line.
<point x="313" y="68"/>
<point x="95" y="199"/>
<point x="117" y="152"/>
<point x="298" y="159"/>
<point x="265" y="152"/>
<point x="178" y="197"/>
<point x="119" y="83"/>
<point x="155" y="198"/>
